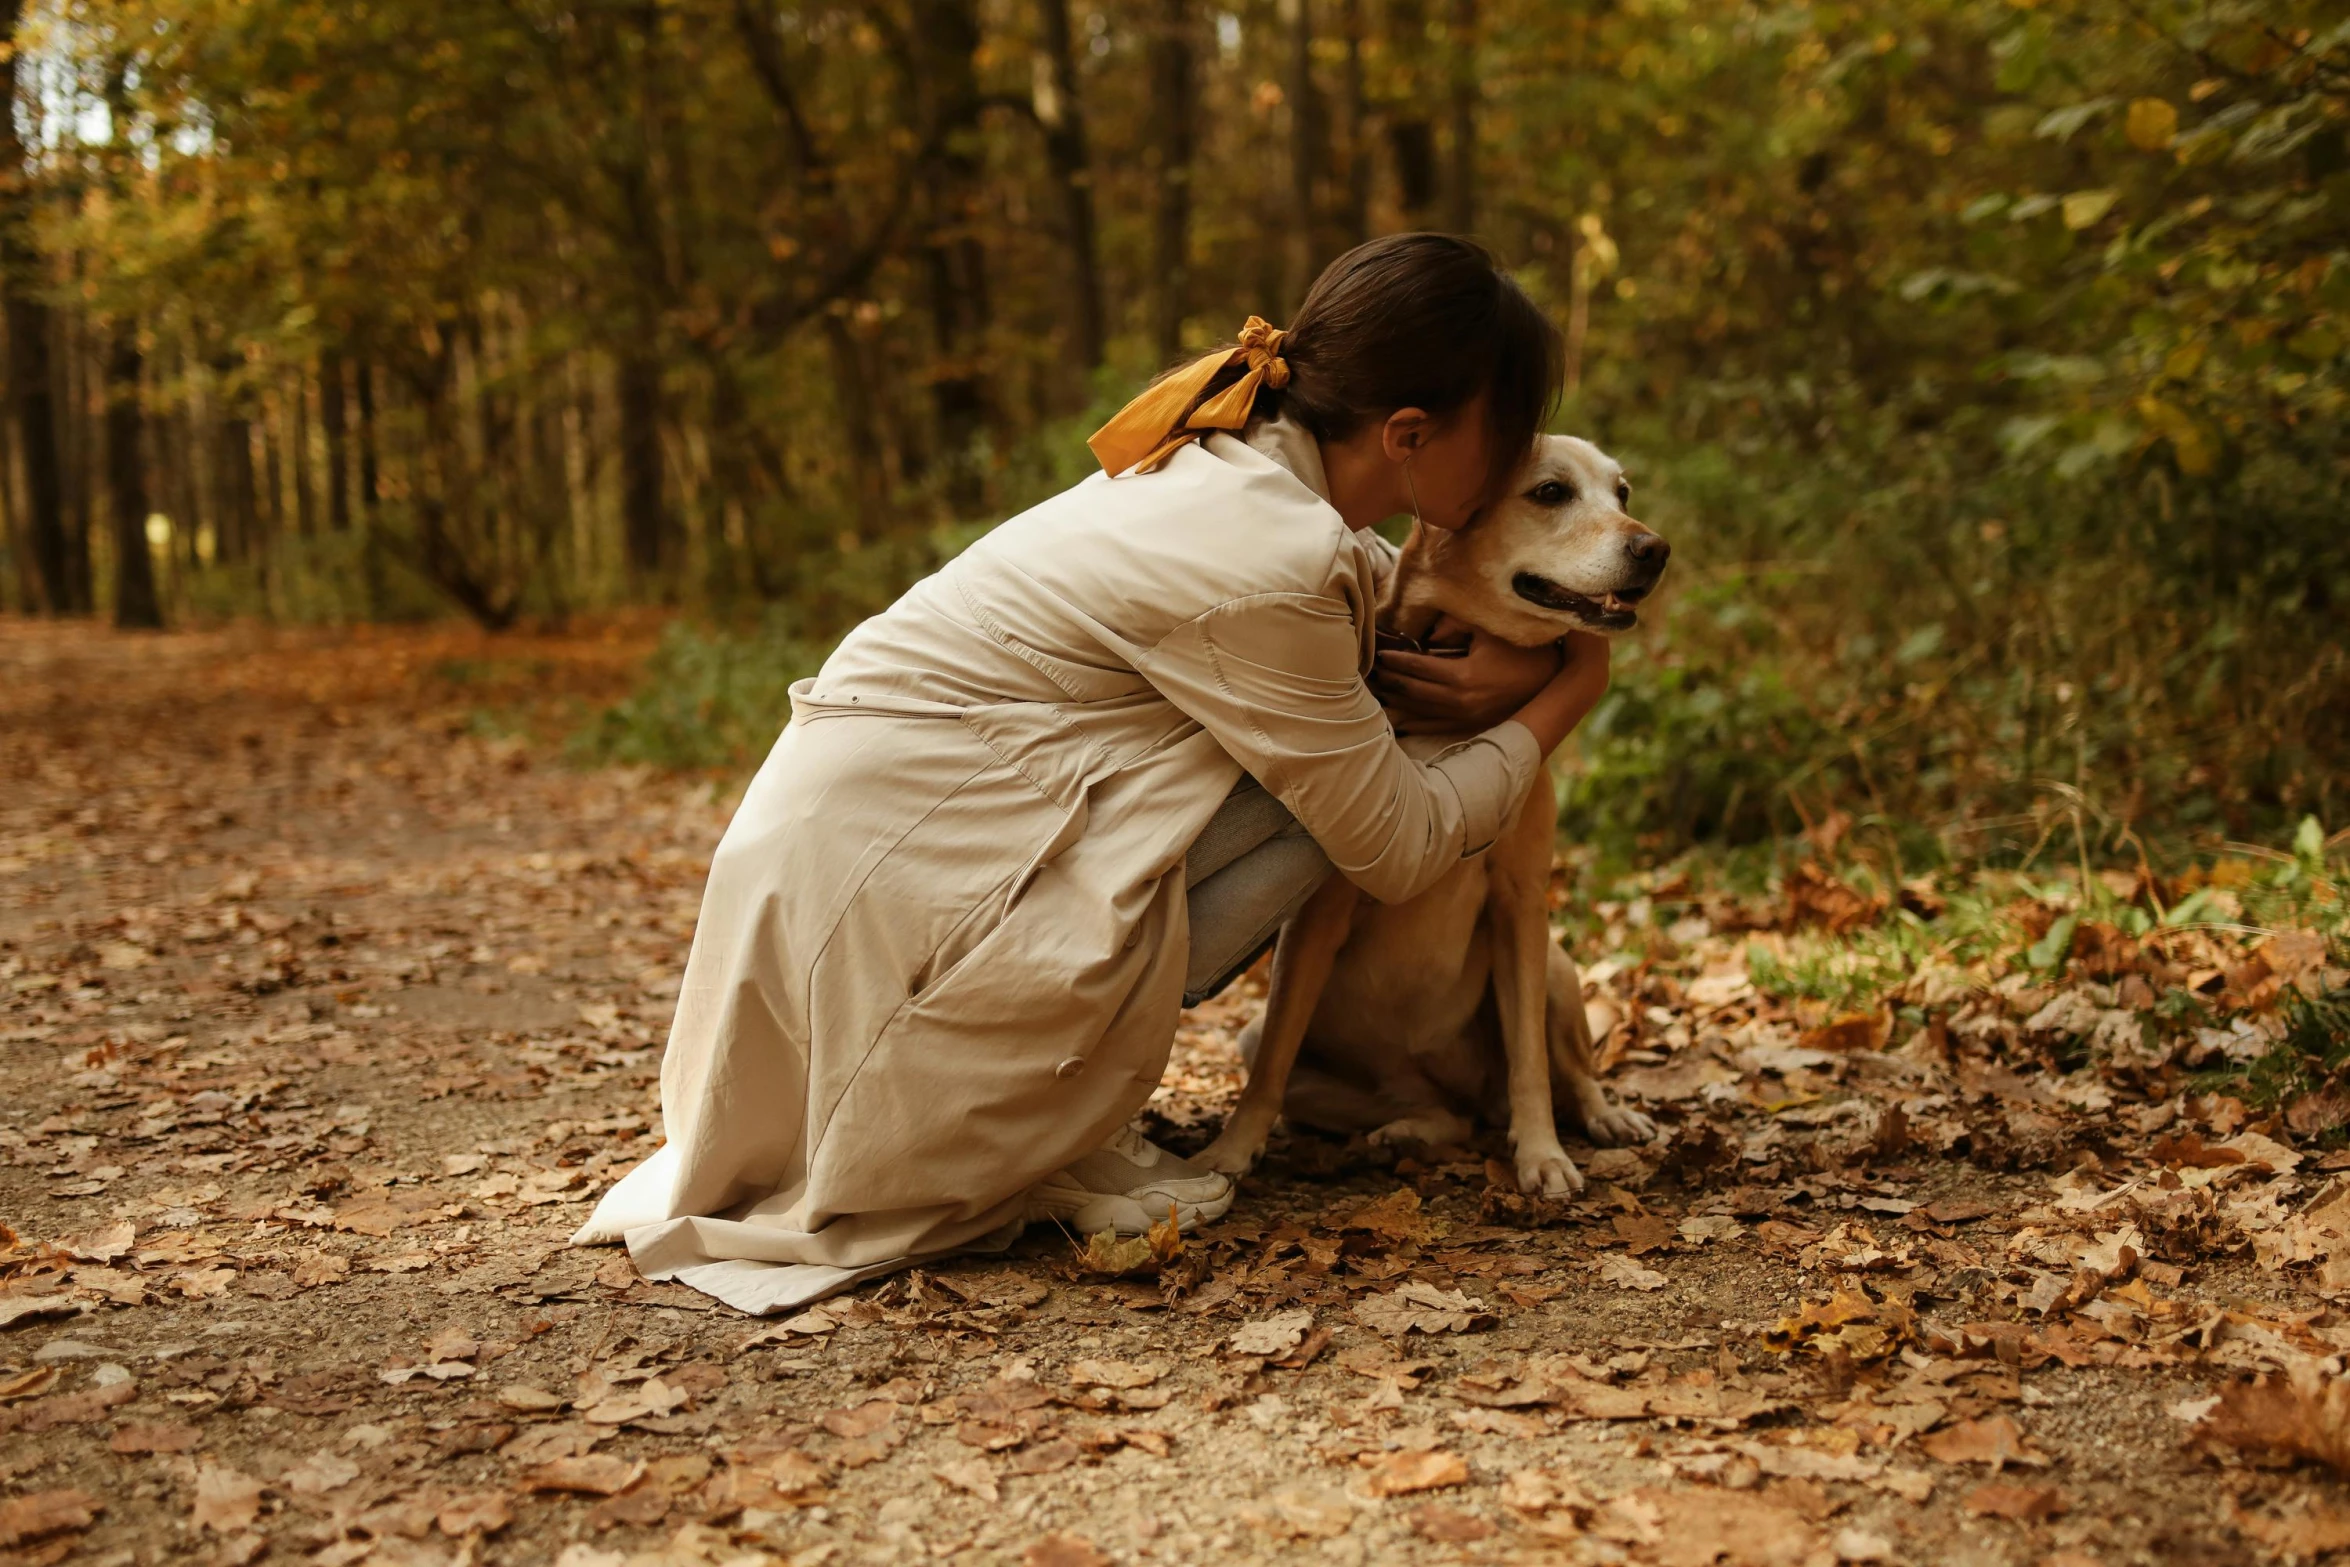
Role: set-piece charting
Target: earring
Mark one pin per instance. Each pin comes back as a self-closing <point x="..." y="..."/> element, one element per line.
<point x="1414" y="489"/>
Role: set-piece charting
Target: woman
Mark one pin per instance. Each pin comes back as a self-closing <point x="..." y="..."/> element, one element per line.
<point x="1083" y="771"/>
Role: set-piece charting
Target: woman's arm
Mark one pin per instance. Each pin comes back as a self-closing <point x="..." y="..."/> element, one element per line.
<point x="1274" y="679"/>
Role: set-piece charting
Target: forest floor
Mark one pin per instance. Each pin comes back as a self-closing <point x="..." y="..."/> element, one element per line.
<point x="329" y="1008"/>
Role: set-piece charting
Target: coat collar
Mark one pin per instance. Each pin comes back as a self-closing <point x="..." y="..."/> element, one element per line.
<point x="1293" y="446"/>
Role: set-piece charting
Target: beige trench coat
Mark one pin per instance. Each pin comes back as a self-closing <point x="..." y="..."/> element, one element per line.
<point x="942" y="947"/>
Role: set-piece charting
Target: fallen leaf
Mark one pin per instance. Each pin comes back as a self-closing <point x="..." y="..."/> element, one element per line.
<point x="1301" y="1513"/>
<point x="1627" y="1274"/>
<point x="1995" y="1440"/>
<point x="1448" y="1525"/>
<point x="154" y="1438"/>
<point x="596" y="1474"/>
<point x="1062" y="1549"/>
<point x="971" y="1475"/>
<point x="45" y="1513"/>
<point x="1420" y="1469"/>
<point x="319" y="1474"/>
<point x="1419" y="1307"/>
<point x="226" y="1501"/>
<point x="1046" y="1457"/>
<point x="1275" y="1335"/>
<point x="2303" y="1416"/>
<point x="476" y="1512"/>
<point x="1119" y="1373"/>
<point x="2025" y="1502"/>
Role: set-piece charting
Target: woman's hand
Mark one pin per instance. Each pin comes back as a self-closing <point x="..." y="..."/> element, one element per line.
<point x="1474" y="688"/>
<point x="1558" y="707"/>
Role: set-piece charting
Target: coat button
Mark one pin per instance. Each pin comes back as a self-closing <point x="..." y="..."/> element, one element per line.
<point x="1070" y="1067"/>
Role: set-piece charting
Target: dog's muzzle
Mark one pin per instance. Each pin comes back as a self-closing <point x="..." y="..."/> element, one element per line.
<point x="1607" y="612"/>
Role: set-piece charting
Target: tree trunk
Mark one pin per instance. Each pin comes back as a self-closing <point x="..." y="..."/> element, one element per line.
<point x="1062" y="114"/>
<point x="135" y="602"/>
<point x="954" y="263"/>
<point x="644" y="520"/>
<point x="305" y="493"/>
<point x="77" y="455"/>
<point x="1411" y="140"/>
<point x="29" y="328"/>
<point x="1355" y="213"/>
<point x="1305" y="150"/>
<point x="1460" y="214"/>
<point x="1173" y="105"/>
<point x="370" y="462"/>
<point x="867" y="473"/>
<point x="331" y="414"/>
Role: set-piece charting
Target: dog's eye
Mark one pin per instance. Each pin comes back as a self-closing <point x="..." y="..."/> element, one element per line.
<point x="1623" y="492"/>
<point x="1550" y="493"/>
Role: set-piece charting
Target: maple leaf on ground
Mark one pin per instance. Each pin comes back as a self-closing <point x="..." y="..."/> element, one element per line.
<point x="970" y="1474"/>
<point x="2303" y="1536"/>
<point x="45" y="1513"/>
<point x="1995" y="1440"/>
<point x="1113" y="1374"/>
<point x="483" y="1512"/>
<point x="1448" y="1525"/>
<point x="165" y="1438"/>
<point x="226" y="1501"/>
<point x="597" y="1474"/>
<point x="1419" y="1307"/>
<point x="1275" y="1335"/>
<point x="2303" y="1416"/>
<point x="1063" y="1549"/>
<point x="2025" y="1502"/>
<point x="1624" y="1273"/>
<point x="1417" y="1469"/>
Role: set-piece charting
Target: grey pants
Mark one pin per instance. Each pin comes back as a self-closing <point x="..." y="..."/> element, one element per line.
<point x="1249" y="870"/>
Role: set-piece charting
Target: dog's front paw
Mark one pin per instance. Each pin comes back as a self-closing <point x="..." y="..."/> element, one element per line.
<point x="1548" y="1172"/>
<point x="1613" y="1126"/>
<point x="1233" y="1153"/>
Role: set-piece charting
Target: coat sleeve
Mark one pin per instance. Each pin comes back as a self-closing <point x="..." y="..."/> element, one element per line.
<point x="1273" y="677"/>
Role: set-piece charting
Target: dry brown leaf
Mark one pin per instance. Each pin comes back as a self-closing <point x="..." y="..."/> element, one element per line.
<point x="1448" y="1525"/>
<point x="1417" y="1469"/>
<point x="475" y="1512"/>
<point x="971" y="1475"/>
<point x="1062" y="1549"/>
<point x="29" y="1384"/>
<point x="1419" y="1307"/>
<point x="2304" y="1416"/>
<point x="1701" y="1527"/>
<point x="1275" y="1335"/>
<point x="2304" y="1536"/>
<point x="75" y="1409"/>
<point x="161" y="1438"/>
<point x="1995" y="1440"/>
<point x="1999" y="1499"/>
<point x="1046" y="1457"/>
<point x="1301" y="1513"/>
<point x="1624" y="1273"/>
<point x="597" y="1474"/>
<point x="1643" y="1233"/>
<point x="45" y="1513"/>
<point x="1117" y="1373"/>
<point x="226" y="1501"/>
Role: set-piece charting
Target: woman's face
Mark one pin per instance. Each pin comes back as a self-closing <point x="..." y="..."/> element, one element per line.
<point x="1448" y="461"/>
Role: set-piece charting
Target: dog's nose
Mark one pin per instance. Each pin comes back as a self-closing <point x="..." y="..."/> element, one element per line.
<point x="1648" y="549"/>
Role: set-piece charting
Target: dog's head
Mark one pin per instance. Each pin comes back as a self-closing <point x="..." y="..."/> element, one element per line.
<point x="1560" y="552"/>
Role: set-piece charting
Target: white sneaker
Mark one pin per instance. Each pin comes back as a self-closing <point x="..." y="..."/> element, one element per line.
<point x="1130" y="1186"/>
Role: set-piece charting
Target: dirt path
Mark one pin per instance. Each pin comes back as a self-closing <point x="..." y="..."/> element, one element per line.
<point x="326" y="1016"/>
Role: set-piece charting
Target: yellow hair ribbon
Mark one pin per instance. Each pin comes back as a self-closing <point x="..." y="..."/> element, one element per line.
<point x="1146" y="432"/>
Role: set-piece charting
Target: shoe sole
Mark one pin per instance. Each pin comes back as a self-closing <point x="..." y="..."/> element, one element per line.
<point x="1129" y="1216"/>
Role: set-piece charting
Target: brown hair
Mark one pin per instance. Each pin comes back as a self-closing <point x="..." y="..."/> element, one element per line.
<point x="1420" y="321"/>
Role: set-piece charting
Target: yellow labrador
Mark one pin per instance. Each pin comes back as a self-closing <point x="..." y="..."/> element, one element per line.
<point x="1385" y="1018"/>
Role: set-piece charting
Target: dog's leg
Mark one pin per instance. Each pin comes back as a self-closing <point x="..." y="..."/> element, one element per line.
<point x="1517" y="894"/>
<point x="1302" y="961"/>
<point x="1575" y="1056"/>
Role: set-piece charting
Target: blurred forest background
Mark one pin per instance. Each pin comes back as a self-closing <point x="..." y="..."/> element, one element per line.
<point x="1985" y="359"/>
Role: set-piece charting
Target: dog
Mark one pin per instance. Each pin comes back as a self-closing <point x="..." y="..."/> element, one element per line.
<point x="1383" y="1018"/>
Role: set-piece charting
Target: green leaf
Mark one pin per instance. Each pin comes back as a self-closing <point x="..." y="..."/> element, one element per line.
<point x="2051" y="950"/>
